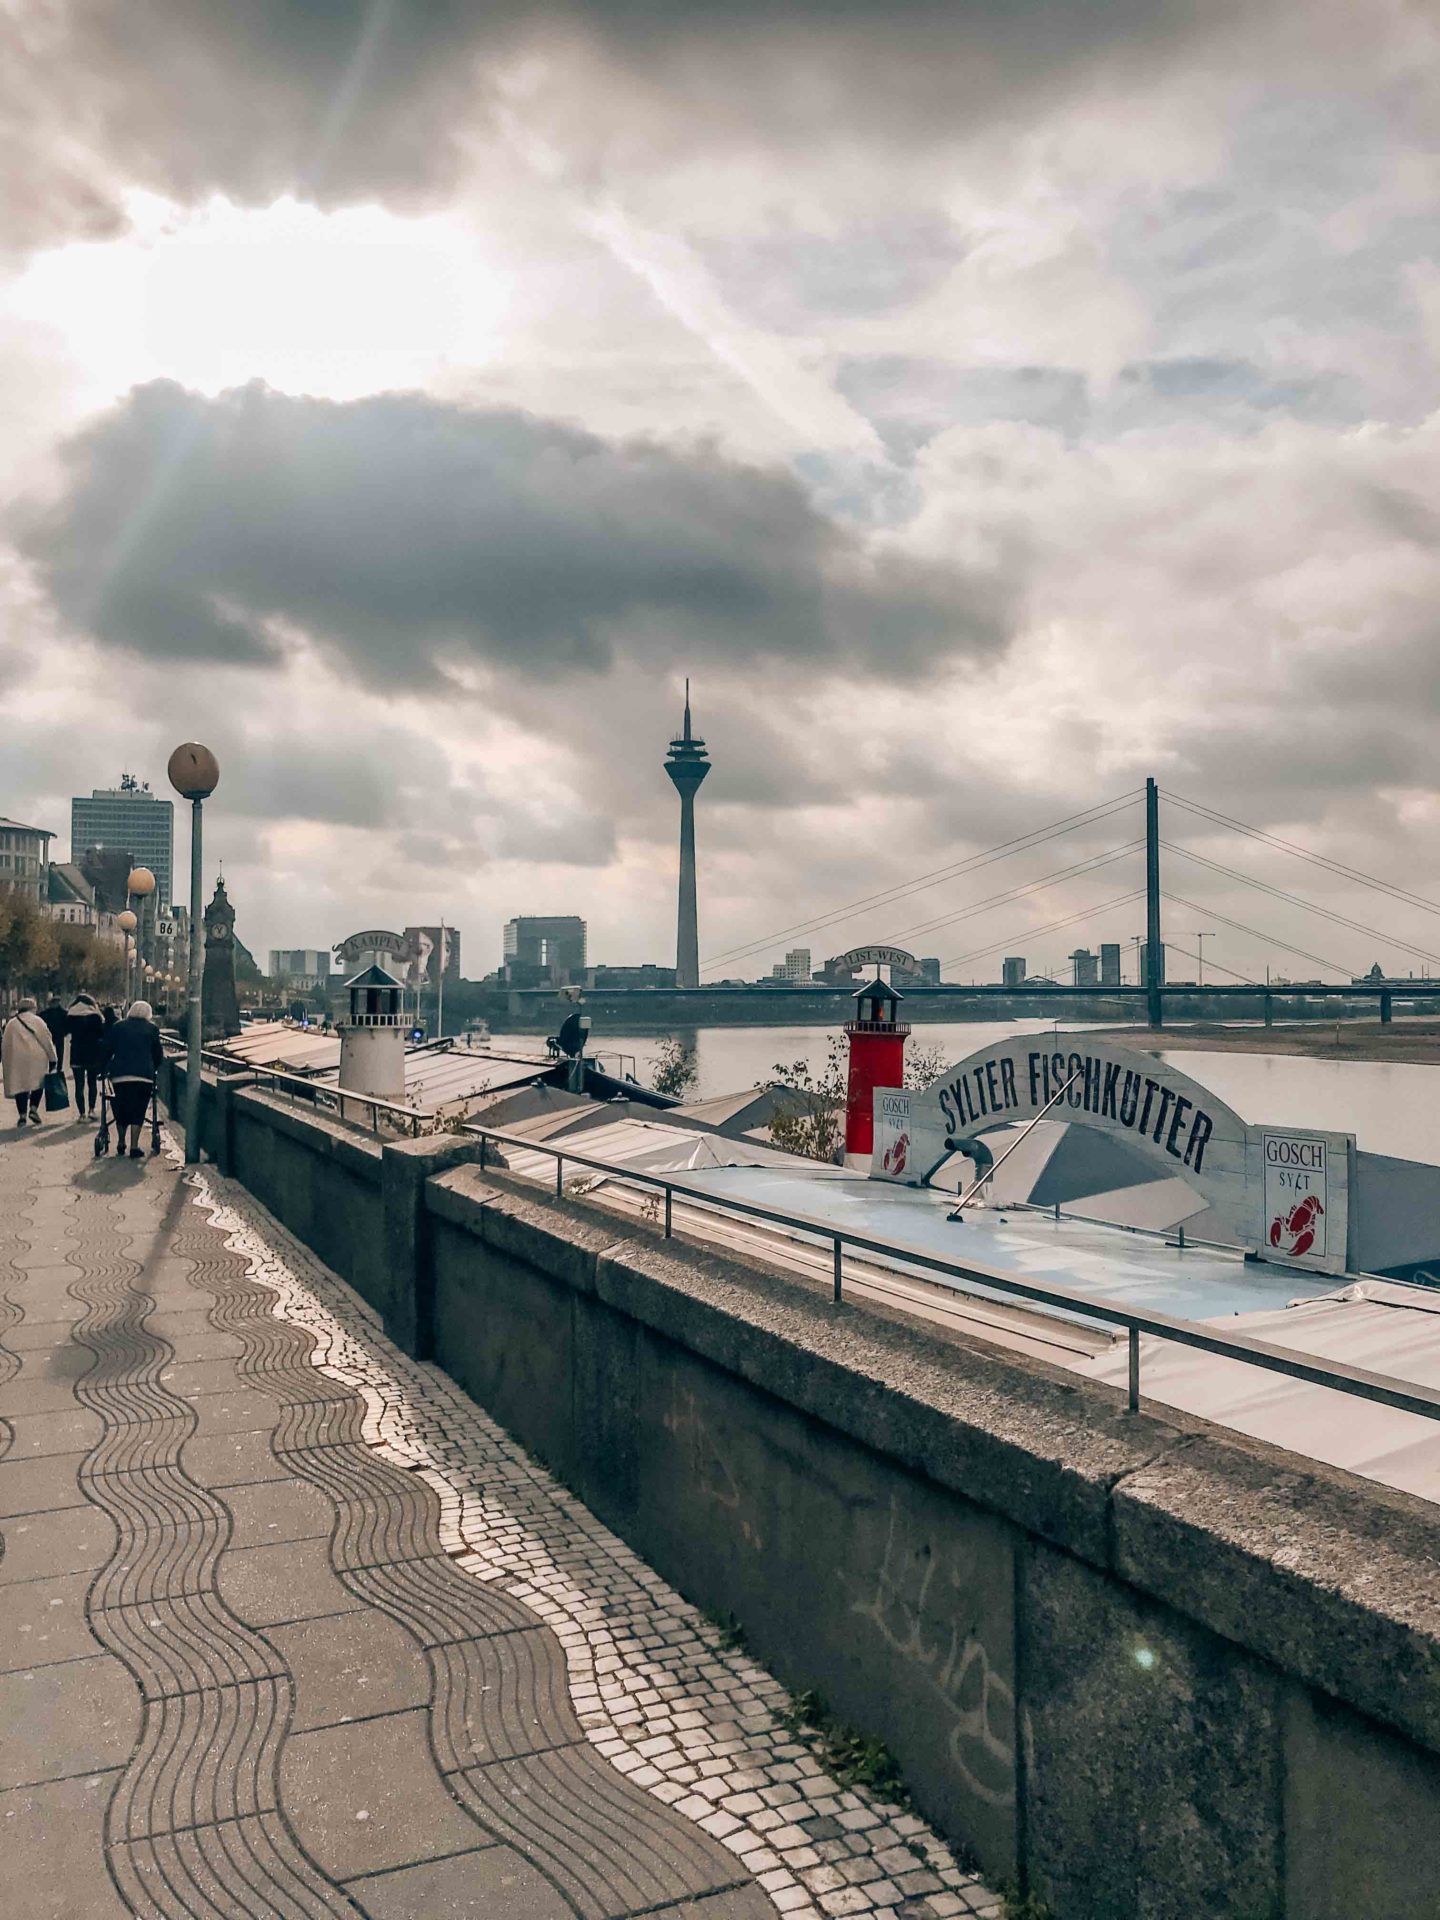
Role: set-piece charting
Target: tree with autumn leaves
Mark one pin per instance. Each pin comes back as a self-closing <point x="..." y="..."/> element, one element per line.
<point x="50" y="957"/>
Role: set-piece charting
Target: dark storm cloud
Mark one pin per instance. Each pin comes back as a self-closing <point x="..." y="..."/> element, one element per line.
<point x="342" y="99"/>
<point x="407" y="535"/>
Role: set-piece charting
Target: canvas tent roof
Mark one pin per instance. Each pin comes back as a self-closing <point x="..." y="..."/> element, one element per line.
<point x="1383" y="1325"/>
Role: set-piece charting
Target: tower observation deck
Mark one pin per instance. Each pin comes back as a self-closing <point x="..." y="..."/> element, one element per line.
<point x="687" y="764"/>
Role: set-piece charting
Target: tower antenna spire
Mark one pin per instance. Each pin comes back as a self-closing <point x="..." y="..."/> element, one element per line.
<point x="687" y="764"/>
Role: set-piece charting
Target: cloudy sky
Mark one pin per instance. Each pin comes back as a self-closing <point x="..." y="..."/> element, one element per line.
<point x="986" y="402"/>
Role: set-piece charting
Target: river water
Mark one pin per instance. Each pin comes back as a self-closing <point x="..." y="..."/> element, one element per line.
<point x="1389" y="1107"/>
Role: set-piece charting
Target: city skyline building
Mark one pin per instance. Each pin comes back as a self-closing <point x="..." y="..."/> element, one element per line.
<point x="1144" y="959"/>
<point x="1086" y="967"/>
<point x="687" y="764"/>
<point x="544" y="950"/>
<point x="1110" y="963"/>
<point x="24" y="859"/>
<point x="1012" y="970"/>
<point x="301" y="967"/>
<point x="131" y="817"/>
<point x="645" y="974"/>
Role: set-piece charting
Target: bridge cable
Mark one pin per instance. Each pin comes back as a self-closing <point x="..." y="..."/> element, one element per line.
<point x="1245" y="979"/>
<point x="1302" y="853"/>
<point x="1298" y="900"/>
<point x="1019" y="893"/>
<point x="1268" y="939"/>
<point x="1029" y="933"/>
<point x="1021" y="843"/>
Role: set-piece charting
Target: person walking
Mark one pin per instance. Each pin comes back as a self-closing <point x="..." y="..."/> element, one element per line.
<point x="27" y="1053"/>
<point x="85" y="1027"/>
<point x="132" y="1060"/>
<point x="54" y="1018"/>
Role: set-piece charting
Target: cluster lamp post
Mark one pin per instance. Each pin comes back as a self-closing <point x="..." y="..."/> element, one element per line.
<point x="194" y="773"/>
<point x="127" y="924"/>
<point x="139" y="887"/>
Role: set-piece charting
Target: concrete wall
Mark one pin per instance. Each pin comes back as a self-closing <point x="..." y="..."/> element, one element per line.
<point x="322" y="1179"/>
<point x="1139" y="1666"/>
<point x="1142" y="1667"/>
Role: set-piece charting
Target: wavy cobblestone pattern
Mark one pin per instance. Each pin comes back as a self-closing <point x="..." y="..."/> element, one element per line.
<point x="193" y="1826"/>
<point x="664" y="1707"/>
<point x="12" y="1200"/>
<point x="504" y="1734"/>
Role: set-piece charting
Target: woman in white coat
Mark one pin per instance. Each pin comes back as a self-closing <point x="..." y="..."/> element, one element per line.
<point x="27" y="1053"/>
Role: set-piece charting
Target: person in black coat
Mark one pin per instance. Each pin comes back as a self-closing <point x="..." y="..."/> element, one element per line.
<point x="85" y="1029"/>
<point x="55" y="1019"/>
<point x="132" y="1060"/>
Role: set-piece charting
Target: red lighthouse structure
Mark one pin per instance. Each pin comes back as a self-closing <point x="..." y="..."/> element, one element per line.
<point x="877" y="1059"/>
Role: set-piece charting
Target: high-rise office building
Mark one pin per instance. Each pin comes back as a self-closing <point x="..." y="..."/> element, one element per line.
<point x="544" y="950"/>
<point x="795" y="968"/>
<point x="1145" y="964"/>
<point x="132" y="819"/>
<point x="1086" y="967"/>
<point x="1110" y="963"/>
<point x="1012" y="970"/>
<point x="687" y="764"/>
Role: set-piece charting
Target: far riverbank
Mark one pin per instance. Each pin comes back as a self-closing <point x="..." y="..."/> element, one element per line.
<point x="1411" y="1042"/>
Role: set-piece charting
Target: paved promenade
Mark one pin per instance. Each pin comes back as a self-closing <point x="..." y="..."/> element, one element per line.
<point x="289" y="1628"/>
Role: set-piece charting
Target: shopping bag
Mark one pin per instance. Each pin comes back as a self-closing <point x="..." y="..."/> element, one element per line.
<point x="57" y="1094"/>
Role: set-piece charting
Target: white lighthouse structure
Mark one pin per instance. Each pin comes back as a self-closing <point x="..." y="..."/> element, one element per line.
<point x="372" y="1041"/>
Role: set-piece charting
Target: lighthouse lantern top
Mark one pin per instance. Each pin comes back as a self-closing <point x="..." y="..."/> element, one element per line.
<point x="877" y="1009"/>
<point x="375" y="999"/>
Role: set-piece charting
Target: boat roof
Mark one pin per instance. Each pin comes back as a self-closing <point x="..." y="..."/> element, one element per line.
<point x="1386" y="1326"/>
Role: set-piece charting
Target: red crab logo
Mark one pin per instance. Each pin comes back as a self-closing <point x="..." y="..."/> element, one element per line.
<point x="1299" y="1224"/>
<point x="896" y="1155"/>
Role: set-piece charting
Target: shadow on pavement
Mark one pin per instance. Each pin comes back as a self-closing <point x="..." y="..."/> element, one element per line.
<point x="110" y="1175"/>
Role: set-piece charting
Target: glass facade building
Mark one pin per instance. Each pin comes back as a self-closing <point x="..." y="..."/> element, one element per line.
<point x="131" y="819"/>
<point x="544" y="950"/>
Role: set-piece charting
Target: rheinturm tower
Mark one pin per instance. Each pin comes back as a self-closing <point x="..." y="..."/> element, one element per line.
<point x="687" y="764"/>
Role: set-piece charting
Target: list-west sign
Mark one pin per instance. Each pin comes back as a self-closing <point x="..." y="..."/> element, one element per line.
<point x="1282" y="1193"/>
<point x="858" y="957"/>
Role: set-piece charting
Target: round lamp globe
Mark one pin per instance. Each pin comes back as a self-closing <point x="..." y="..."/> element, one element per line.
<point x="194" y="771"/>
<point x="126" y="921"/>
<point x="141" y="881"/>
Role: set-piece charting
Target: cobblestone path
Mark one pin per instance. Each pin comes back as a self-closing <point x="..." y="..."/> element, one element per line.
<point x="289" y="1628"/>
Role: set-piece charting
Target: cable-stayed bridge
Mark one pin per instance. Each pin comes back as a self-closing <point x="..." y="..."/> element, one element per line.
<point x="1140" y="854"/>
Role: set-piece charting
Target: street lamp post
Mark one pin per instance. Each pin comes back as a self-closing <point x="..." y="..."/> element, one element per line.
<point x="127" y="924"/>
<point x="194" y="773"/>
<point x="140" y="886"/>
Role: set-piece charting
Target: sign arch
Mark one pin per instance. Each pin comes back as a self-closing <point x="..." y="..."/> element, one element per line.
<point x="1162" y="1115"/>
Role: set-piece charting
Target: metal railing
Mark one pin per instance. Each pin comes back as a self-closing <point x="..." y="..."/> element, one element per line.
<point x="304" y="1089"/>
<point x="1380" y="1389"/>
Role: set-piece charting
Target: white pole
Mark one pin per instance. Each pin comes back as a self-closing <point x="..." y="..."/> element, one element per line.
<point x="440" y="999"/>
